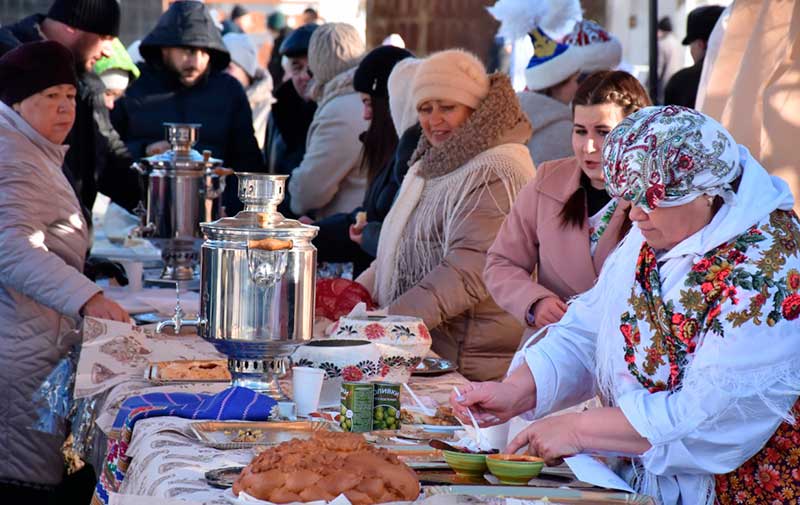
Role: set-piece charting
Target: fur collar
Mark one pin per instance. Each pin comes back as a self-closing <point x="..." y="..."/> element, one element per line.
<point x="340" y="85"/>
<point x="498" y="120"/>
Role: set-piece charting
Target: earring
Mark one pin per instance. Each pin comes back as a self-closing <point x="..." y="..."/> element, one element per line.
<point x="710" y="200"/>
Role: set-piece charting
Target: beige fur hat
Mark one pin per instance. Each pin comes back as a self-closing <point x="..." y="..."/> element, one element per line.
<point x="333" y="49"/>
<point x="453" y="75"/>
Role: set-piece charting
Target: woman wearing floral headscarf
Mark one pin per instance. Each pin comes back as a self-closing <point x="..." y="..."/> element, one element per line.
<point x="691" y="333"/>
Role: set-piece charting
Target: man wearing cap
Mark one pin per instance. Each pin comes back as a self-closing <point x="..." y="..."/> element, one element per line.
<point x="256" y="82"/>
<point x="184" y="81"/>
<point x="682" y="87"/>
<point x="291" y="115"/>
<point x="97" y="160"/>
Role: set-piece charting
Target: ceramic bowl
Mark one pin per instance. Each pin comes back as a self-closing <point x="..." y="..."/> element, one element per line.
<point x="342" y="360"/>
<point x="515" y="469"/>
<point x="402" y="340"/>
<point x="470" y="465"/>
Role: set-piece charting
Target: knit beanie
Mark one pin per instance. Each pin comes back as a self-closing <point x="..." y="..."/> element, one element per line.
<point x="237" y="12"/>
<point x="93" y="16"/>
<point x="33" y="67"/>
<point x="296" y="43"/>
<point x="373" y="72"/>
<point x="276" y="21"/>
<point x="333" y="49"/>
<point x="243" y="52"/>
<point x="119" y="60"/>
<point x="455" y="75"/>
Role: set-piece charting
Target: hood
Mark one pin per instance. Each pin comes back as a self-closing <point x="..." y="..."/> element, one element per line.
<point x="340" y="85"/>
<point x="401" y="106"/>
<point x="21" y="140"/>
<point x="185" y="24"/>
<point x="759" y="194"/>
<point x="542" y="111"/>
<point x="497" y="120"/>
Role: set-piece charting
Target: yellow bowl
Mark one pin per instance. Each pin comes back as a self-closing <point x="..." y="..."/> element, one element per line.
<point x="515" y="469"/>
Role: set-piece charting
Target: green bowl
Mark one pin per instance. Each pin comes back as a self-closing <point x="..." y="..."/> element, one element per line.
<point x="514" y="469"/>
<point x="466" y="464"/>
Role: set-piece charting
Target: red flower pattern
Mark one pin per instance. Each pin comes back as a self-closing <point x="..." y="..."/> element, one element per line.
<point x="790" y="308"/>
<point x="793" y="280"/>
<point x="654" y="195"/>
<point x="423" y="332"/>
<point x="374" y="331"/>
<point x="685" y="162"/>
<point x="352" y="373"/>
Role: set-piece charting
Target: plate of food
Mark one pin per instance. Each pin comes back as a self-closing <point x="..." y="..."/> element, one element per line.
<point x="162" y="372"/>
<point x="443" y="421"/>
<point x="244" y="434"/>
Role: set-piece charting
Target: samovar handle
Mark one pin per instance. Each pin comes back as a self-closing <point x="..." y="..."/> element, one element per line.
<point x="270" y="244"/>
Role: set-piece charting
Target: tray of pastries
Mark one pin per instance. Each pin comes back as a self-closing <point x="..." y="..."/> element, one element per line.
<point x="245" y="434"/>
<point x="188" y="371"/>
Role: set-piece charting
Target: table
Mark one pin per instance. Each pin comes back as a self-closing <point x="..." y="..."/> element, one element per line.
<point x="164" y="461"/>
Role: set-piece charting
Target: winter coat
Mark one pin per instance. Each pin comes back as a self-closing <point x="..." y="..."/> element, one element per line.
<point x="44" y="238"/>
<point x="274" y="66"/>
<point x="329" y="180"/>
<point x="259" y="94"/>
<point x="97" y="159"/>
<point x="217" y="101"/>
<point x="433" y="243"/>
<point x="552" y="126"/>
<point x="533" y="239"/>
<point x="682" y="87"/>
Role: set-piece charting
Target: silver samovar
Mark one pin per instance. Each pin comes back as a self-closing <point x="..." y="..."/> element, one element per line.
<point x="257" y="284"/>
<point x="184" y="189"/>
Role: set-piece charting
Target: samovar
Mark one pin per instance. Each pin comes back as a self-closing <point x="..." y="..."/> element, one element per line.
<point x="257" y="285"/>
<point x="184" y="188"/>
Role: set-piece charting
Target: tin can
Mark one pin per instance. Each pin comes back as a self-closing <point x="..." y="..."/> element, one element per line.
<point x="386" y="411"/>
<point x="357" y="406"/>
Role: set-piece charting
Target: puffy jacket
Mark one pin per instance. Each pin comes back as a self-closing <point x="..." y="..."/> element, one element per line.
<point x="217" y="101"/>
<point x="43" y="239"/>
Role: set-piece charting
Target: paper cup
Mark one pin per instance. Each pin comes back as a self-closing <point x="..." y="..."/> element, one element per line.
<point x="497" y="436"/>
<point x="134" y="270"/>
<point x="306" y="388"/>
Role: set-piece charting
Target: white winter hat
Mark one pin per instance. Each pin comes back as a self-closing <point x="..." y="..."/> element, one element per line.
<point x="453" y="74"/>
<point x="243" y="52"/>
<point x="401" y="106"/>
<point x="598" y="49"/>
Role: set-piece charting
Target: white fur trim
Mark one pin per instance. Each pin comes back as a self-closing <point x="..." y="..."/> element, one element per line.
<point x="554" y="71"/>
<point x="600" y="55"/>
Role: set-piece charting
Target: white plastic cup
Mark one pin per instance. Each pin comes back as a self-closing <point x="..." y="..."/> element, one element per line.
<point x="497" y="436"/>
<point x="134" y="270"/>
<point x="306" y="388"/>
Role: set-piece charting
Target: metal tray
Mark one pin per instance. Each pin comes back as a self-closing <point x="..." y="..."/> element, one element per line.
<point x="151" y="375"/>
<point x="223" y="478"/>
<point x="434" y="366"/>
<point x="243" y="434"/>
<point x="490" y="494"/>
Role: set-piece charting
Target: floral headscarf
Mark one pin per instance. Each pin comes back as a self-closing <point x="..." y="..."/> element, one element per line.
<point x="668" y="156"/>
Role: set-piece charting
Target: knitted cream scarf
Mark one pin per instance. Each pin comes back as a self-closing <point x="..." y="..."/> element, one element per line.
<point x="444" y="184"/>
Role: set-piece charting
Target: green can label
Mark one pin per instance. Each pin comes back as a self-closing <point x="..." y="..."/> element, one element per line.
<point x="386" y="413"/>
<point x="357" y="406"/>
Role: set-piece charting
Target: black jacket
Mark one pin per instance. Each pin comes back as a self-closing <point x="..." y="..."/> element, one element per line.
<point x="97" y="160"/>
<point x="274" y="65"/>
<point x="217" y="101"/>
<point x="682" y="86"/>
<point x="333" y="241"/>
<point x="285" y="143"/>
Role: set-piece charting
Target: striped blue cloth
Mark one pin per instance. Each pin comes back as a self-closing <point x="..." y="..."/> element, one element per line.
<point x="233" y="403"/>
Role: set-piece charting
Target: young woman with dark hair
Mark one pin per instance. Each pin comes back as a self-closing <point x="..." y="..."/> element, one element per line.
<point x="564" y="224"/>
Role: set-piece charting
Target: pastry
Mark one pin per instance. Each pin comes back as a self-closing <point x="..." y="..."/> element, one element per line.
<point x="194" y="370"/>
<point x="322" y="468"/>
<point x="361" y="219"/>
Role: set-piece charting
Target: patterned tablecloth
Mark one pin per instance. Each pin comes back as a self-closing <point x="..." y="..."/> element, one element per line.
<point x="164" y="461"/>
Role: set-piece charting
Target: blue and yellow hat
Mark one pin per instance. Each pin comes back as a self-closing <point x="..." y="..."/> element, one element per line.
<point x="552" y="62"/>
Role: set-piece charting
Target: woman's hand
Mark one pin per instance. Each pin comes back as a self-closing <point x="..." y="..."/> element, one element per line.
<point x="103" y="308"/>
<point x="305" y="220"/>
<point x="551" y="439"/>
<point x="496" y="402"/>
<point x="157" y="148"/>
<point x="357" y="232"/>
<point x="548" y="310"/>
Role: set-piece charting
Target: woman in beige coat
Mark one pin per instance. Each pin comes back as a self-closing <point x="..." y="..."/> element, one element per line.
<point x="564" y="224"/>
<point x="470" y="163"/>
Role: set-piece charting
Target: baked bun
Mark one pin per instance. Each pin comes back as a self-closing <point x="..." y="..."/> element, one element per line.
<point x="325" y="466"/>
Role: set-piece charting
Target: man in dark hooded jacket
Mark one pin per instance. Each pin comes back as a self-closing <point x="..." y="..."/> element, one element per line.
<point x="97" y="159"/>
<point x="183" y="81"/>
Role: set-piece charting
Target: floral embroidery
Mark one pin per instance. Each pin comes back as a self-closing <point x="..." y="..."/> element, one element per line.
<point x="714" y="281"/>
<point x="596" y="232"/>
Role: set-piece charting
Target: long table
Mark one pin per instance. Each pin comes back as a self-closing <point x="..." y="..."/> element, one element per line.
<point x="165" y="462"/>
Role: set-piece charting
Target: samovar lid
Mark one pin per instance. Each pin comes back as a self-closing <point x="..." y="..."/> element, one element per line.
<point x="182" y="137"/>
<point x="261" y="194"/>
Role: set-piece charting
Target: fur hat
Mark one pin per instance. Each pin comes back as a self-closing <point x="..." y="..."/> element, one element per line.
<point x="333" y="49"/>
<point x="93" y="16"/>
<point x="551" y="62"/>
<point x="402" y="108"/>
<point x="598" y="49"/>
<point x="243" y="52"/>
<point x="33" y="67"/>
<point x="454" y="74"/>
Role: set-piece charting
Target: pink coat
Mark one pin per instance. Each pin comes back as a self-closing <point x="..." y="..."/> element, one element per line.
<point x="532" y="237"/>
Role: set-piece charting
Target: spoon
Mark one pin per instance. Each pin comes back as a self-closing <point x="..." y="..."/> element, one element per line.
<point x="478" y="434"/>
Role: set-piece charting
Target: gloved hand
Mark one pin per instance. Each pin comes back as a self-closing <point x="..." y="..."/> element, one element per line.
<point x="102" y="268"/>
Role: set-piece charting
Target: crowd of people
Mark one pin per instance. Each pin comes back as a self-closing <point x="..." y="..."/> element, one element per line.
<point x="562" y="243"/>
